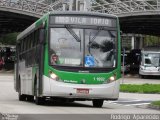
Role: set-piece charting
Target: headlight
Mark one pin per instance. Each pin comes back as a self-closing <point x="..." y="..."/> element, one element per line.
<point x="112" y="79"/>
<point x="53" y="76"/>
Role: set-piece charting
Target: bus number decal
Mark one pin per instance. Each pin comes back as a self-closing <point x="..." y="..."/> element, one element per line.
<point x="100" y="79"/>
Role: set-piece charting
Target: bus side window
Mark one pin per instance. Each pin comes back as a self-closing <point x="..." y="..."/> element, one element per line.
<point x="36" y="37"/>
<point x="28" y="42"/>
<point x="31" y="40"/>
<point x="20" y="50"/>
<point x="22" y="45"/>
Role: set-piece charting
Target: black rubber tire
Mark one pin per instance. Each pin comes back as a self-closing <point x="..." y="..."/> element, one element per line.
<point x="39" y="100"/>
<point x="97" y="103"/>
<point x="22" y="97"/>
<point x="30" y="98"/>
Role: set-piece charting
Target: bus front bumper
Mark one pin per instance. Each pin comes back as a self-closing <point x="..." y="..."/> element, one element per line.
<point x="54" y="88"/>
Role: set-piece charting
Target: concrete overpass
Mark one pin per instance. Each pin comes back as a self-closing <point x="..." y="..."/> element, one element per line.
<point x="136" y="16"/>
<point x="16" y="15"/>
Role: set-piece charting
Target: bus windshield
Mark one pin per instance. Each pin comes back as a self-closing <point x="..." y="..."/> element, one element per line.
<point x="152" y="59"/>
<point x="83" y="47"/>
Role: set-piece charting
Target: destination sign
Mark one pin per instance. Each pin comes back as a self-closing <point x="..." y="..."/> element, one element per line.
<point x="83" y="20"/>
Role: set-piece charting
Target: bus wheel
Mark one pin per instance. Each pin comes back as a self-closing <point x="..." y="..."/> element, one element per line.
<point x="39" y="100"/>
<point x="97" y="103"/>
<point x="22" y="97"/>
<point x="30" y="98"/>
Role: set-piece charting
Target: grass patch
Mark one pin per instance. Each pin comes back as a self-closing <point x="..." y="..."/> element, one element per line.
<point x="156" y="103"/>
<point x="145" y="88"/>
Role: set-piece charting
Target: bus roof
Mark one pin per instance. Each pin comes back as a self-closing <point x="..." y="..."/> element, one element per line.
<point x="83" y="13"/>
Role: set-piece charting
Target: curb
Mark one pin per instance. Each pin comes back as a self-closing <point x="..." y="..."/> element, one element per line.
<point x="154" y="107"/>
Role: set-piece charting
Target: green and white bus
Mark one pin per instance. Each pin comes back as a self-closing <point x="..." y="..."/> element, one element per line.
<point x="69" y="56"/>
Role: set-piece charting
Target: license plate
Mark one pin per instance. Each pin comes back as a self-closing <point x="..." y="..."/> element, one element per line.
<point x="82" y="91"/>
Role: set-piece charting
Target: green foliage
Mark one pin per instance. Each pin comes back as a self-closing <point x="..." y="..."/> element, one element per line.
<point x="152" y="41"/>
<point x="145" y="88"/>
<point x="157" y="103"/>
<point x="9" y="39"/>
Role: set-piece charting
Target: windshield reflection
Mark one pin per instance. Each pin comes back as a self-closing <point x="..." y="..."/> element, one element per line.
<point x="101" y="45"/>
<point x="67" y="47"/>
<point x="152" y="59"/>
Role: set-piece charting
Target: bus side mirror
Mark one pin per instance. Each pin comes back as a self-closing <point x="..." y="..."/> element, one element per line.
<point x="42" y="36"/>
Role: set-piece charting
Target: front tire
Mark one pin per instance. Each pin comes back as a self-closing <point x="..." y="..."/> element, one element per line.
<point x="39" y="100"/>
<point x="22" y="97"/>
<point x="97" y="103"/>
<point x="30" y="98"/>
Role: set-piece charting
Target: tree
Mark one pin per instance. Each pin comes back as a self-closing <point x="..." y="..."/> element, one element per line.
<point x="152" y="40"/>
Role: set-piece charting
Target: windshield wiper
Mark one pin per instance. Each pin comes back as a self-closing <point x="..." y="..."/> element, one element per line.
<point x="94" y="37"/>
<point x="73" y="33"/>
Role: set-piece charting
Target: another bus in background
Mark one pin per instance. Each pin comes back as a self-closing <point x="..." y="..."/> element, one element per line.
<point x="150" y="62"/>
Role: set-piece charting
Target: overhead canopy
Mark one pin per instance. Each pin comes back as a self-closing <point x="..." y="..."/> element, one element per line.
<point x="13" y="22"/>
<point x="136" y="16"/>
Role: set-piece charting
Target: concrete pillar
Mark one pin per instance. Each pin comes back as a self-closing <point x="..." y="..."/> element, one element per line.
<point x="132" y="42"/>
<point x="71" y="5"/>
<point x="137" y="42"/>
<point x="82" y="6"/>
<point x="64" y="6"/>
<point x="158" y="4"/>
<point x="78" y="5"/>
<point x="141" y="42"/>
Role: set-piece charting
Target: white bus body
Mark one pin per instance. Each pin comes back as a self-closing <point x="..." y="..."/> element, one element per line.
<point x="150" y="62"/>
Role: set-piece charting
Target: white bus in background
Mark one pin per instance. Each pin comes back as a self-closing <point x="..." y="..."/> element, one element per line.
<point x="150" y="62"/>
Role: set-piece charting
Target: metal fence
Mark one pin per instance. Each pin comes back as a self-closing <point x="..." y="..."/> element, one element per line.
<point x="125" y="6"/>
<point x="36" y="7"/>
<point x="105" y="6"/>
